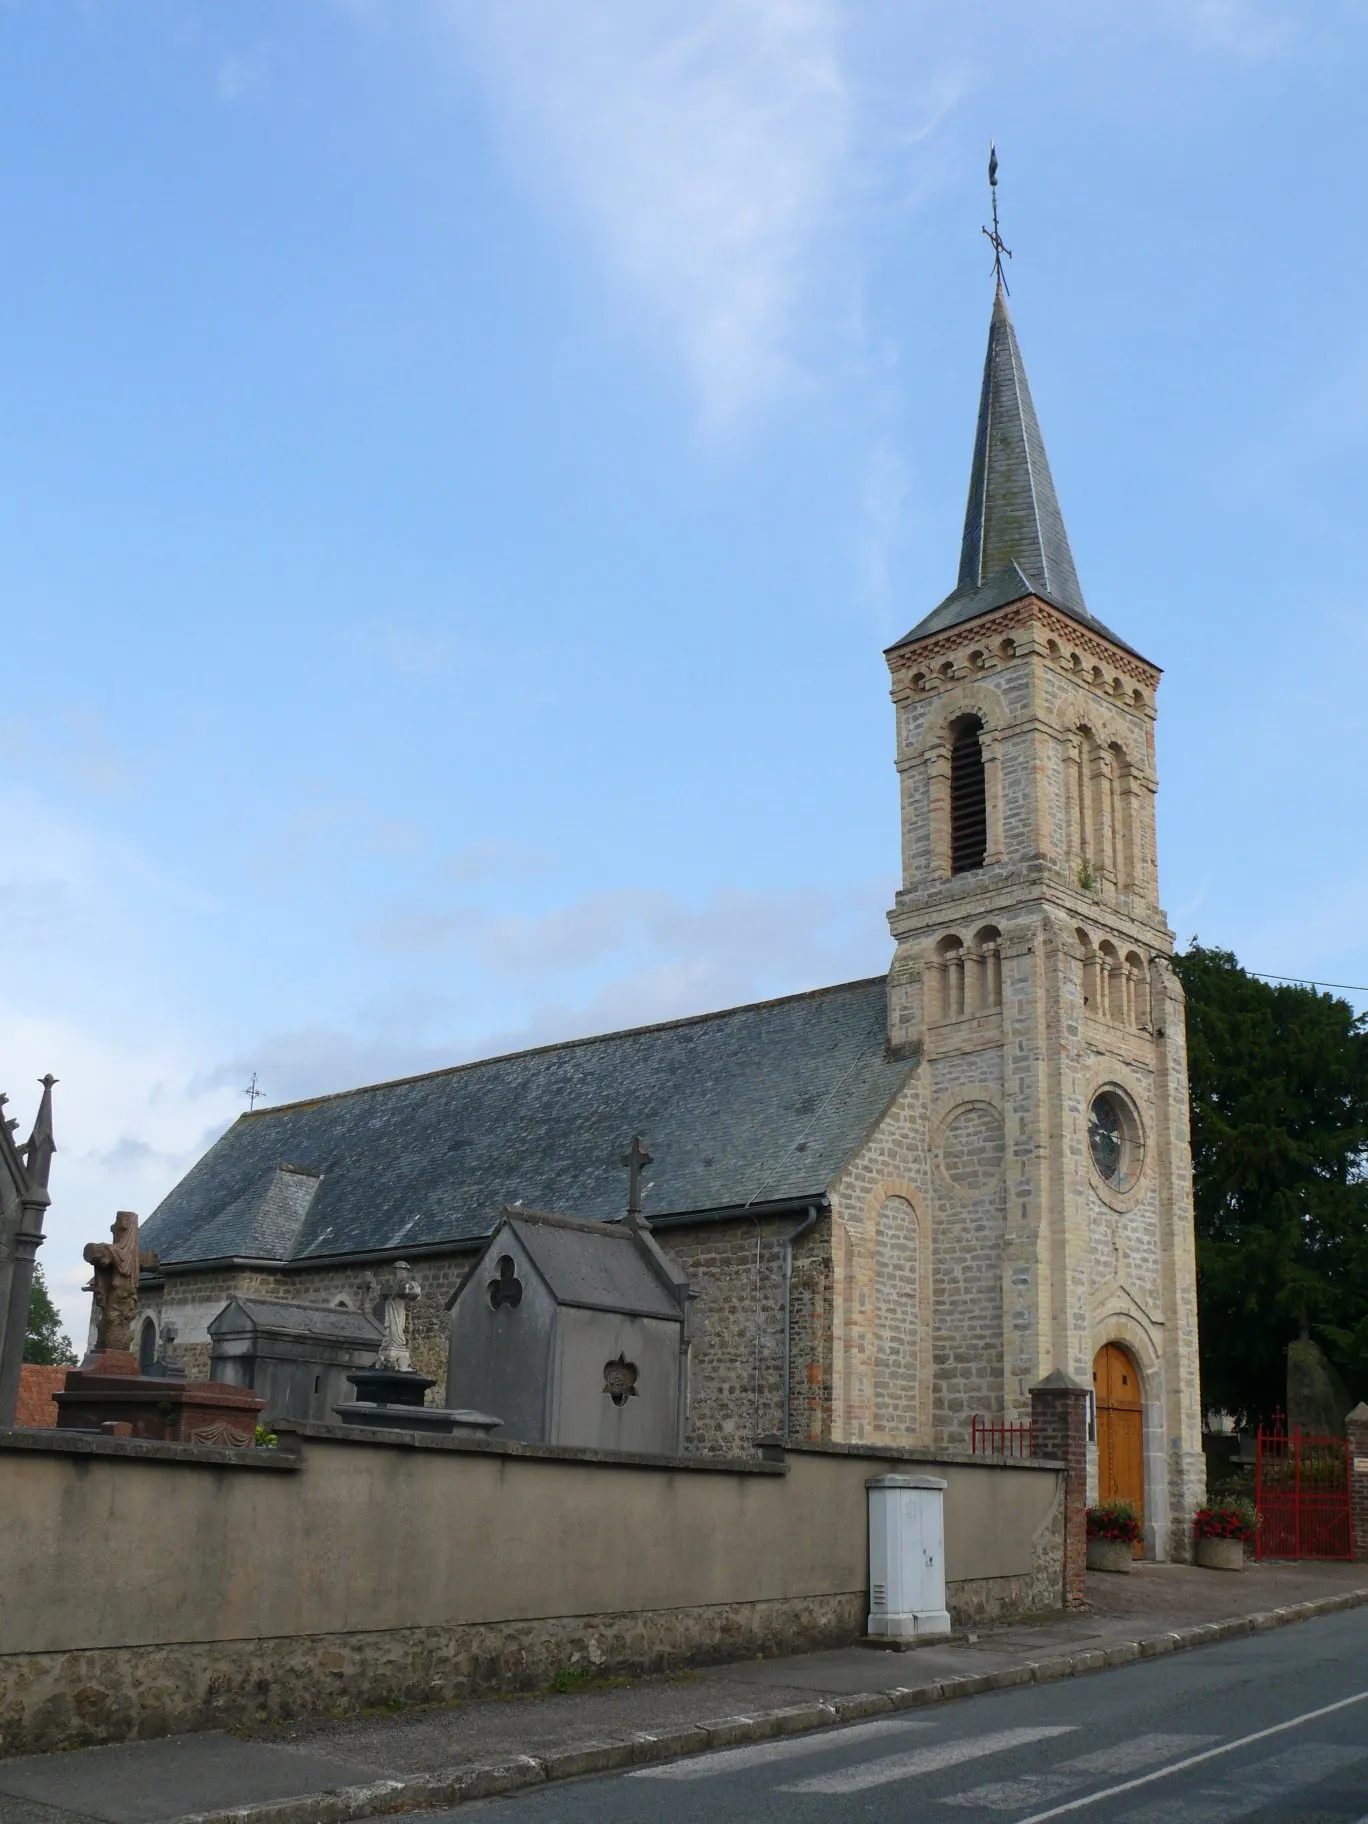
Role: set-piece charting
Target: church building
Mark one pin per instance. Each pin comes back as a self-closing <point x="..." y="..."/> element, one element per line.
<point x="898" y="1202"/>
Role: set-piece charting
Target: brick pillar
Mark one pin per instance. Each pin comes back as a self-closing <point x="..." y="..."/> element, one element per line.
<point x="1357" y="1427"/>
<point x="1059" y="1428"/>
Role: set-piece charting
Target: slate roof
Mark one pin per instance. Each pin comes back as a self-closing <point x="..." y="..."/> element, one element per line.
<point x="1014" y="542"/>
<point x="754" y="1105"/>
<point x="601" y="1270"/>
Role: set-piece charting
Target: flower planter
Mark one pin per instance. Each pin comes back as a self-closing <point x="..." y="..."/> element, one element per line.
<point x="1110" y="1554"/>
<point x="1220" y="1554"/>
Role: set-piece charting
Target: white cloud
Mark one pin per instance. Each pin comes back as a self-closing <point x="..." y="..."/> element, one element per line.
<point x="736" y="937"/>
<point x="409" y="652"/>
<point x="1250" y="28"/>
<point x="702" y="143"/>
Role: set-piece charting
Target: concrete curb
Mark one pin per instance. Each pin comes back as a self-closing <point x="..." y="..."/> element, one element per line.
<point x="453" y="1786"/>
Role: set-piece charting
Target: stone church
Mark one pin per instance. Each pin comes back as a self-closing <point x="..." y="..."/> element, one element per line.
<point x="898" y="1202"/>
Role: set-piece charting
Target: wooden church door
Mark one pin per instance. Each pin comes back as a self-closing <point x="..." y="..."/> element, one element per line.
<point x="1120" y="1430"/>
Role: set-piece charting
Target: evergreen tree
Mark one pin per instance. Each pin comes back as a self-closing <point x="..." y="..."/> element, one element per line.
<point x="1279" y="1084"/>
<point x="46" y="1341"/>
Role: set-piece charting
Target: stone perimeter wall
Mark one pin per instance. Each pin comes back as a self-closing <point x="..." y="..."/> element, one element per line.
<point x="352" y="1571"/>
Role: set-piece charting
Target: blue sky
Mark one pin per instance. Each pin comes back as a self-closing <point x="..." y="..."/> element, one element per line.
<point x="460" y="465"/>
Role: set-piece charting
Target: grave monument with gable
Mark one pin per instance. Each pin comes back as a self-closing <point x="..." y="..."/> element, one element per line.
<point x="575" y="1332"/>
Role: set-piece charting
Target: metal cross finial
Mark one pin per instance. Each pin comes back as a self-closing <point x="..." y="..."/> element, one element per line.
<point x="253" y="1094"/>
<point x="636" y="1159"/>
<point x="999" y="245"/>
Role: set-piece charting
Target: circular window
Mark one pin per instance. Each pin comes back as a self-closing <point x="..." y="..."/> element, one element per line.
<point x="1114" y="1141"/>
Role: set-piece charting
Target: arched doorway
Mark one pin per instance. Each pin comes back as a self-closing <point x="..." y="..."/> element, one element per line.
<point x="1120" y="1430"/>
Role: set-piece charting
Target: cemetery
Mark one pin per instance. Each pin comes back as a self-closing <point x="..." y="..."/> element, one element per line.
<point x="301" y="1534"/>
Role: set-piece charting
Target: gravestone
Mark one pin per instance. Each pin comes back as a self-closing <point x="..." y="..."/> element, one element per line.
<point x="110" y="1391"/>
<point x="296" y="1357"/>
<point x="1316" y="1396"/>
<point x="390" y="1394"/>
<point x="573" y="1332"/>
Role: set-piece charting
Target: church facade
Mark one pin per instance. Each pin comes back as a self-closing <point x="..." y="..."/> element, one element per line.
<point x="899" y="1202"/>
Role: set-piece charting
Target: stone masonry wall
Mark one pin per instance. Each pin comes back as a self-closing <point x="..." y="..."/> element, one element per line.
<point x="878" y="1383"/>
<point x="897" y="1320"/>
<point x="736" y="1319"/>
<point x="248" y="1621"/>
<point x="193" y="1300"/>
<point x="736" y="1273"/>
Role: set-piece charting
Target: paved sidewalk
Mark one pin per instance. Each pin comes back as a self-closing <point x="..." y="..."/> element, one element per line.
<point x="324" y="1773"/>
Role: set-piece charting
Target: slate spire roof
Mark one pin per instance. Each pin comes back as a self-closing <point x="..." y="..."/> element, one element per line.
<point x="1014" y="540"/>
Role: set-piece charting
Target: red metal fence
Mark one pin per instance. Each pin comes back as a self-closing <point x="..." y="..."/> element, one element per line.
<point x="995" y="1437"/>
<point x="1301" y="1489"/>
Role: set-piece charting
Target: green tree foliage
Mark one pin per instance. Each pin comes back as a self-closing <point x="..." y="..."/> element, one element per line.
<point x="46" y="1341"/>
<point x="1279" y="1080"/>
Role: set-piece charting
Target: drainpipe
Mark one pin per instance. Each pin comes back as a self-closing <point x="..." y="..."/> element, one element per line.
<point x="808" y="1222"/>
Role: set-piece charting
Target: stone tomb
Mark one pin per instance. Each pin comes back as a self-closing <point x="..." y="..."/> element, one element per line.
<point x="573" y="1332"/>
<point x="295" y="1357"/>
<point x="110" y="1393"/>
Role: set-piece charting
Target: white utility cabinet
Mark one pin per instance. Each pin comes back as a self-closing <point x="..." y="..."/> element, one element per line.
<point x="907" y="1556"/>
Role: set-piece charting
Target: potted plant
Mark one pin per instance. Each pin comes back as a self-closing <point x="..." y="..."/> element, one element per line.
<point x="1113" y="1529"/>
<point x="1220" y="1532"/>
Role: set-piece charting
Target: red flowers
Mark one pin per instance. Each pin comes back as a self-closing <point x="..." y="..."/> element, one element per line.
<point x="1113" y="1520"/>
<point x="1227" y="1520"/>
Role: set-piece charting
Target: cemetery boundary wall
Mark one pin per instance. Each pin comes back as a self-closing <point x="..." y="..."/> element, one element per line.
<point x="147" y="1588"/>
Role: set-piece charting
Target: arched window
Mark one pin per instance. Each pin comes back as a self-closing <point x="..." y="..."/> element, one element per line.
<point x="988" y="969"/>
<point x="968" y="797"/>
<point x="1137" y="991"/>
<point x="1085" y="803"/>
<point x="1111" y="984"/>
<point x="950" y="956"/>
<point x="147" y="1345"/>
<point x="1123" y="793"/>
<point x="1091" y="999"/>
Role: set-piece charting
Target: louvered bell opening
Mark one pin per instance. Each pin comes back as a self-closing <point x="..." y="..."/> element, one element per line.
<point x="968" y="801"/>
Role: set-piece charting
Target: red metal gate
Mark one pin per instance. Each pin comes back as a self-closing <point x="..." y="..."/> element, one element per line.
<point x="1301" y="1489"/>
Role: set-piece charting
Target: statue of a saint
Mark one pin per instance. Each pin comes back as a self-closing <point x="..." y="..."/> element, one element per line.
<point x="396" y="1295"/>
<point x="115" y="1283"/>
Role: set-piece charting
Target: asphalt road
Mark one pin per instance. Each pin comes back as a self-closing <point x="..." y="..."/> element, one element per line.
<point x="1272" y="1728"/>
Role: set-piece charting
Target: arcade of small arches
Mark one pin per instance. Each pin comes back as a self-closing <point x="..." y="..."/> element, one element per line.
<point x="1109" y="836"/>
<point x="1108" y="831"/>
<point x="966" y="979"/>
<point x="1116" y="987"/>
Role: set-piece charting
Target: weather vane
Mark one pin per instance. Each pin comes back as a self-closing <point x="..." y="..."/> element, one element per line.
<point x="999" y="245"/>
<point x="253" y="1094"/>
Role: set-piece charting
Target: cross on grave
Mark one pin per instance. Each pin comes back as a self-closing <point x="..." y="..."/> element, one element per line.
<point x="507" y="1289"/>
<point x="636" y="1159"/>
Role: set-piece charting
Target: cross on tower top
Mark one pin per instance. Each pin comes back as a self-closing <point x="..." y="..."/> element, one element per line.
<point x="636" y="1159"/>
<point x="999" y="245"/>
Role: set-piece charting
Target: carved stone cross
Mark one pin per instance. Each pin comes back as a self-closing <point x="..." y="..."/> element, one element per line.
<point x="636" y="1159"/>
<point x="117" y="1264"/>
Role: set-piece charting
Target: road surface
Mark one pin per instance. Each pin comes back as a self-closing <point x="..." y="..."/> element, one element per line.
<point x="1272" y="1729"/>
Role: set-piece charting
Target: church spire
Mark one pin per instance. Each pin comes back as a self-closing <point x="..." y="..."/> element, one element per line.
<point x="1014" y="541"/>
<point x="1013" y="520"/>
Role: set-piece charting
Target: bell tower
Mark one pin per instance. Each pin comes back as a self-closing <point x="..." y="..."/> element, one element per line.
<point x="1033" y="974"/>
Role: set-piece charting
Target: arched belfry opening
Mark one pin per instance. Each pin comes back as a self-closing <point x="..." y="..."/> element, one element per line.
<point x="968" y="797"/>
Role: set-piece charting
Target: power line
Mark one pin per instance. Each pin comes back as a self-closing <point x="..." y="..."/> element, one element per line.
<point x="1304" y="981"/>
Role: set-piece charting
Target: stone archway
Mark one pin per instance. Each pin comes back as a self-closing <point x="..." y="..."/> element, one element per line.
<point x="1120" y="1429"/>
